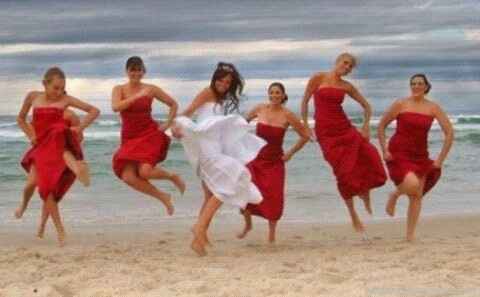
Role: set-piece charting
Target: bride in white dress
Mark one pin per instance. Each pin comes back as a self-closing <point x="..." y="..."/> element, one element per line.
<point x="218" y="145"/>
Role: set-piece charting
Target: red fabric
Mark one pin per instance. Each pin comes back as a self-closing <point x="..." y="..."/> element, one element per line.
<point x="53" y="138"/>
<point x="409" y="149"/>
<point x="356" y="163"/>
<point x="142" y="141"/>
<point x="268" y="173"/>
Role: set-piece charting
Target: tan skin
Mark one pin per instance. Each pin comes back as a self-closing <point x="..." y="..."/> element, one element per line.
<point x="211" y="203"/>
<point x="31" y="183"/>
<point x="274" y="113"/>
<point x="135" y="175"/>
<point x="55" y="96"/>
<point x="333" y="78"/>
<point x="412" y="185"/>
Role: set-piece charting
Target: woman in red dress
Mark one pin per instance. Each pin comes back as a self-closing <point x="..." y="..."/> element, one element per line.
<point x="268" y="168"/>
<point x="71" y="120"/>
<point x="143" y="141"/>
<point x="56" y="157"/>
<point x="407" y="158"/>
<point x="356" y="163"/>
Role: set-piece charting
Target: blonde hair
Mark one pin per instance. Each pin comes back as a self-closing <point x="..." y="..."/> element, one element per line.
<point x="349" y="56"/>
<point x="53" y="72"/>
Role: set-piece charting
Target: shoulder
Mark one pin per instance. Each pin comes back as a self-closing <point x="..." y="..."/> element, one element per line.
<point x="32" y="95"/>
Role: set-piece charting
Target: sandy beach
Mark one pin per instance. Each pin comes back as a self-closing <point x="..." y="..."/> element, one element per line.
<point x="308" y="260"/>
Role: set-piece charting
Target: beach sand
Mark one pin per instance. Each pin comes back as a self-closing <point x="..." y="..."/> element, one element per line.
<point x="307" y="260"/>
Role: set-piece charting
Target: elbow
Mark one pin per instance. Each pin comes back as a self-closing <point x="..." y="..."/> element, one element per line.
<point x="115" y="108"/>
<point x="20" y="121"/>
<point x="95" y="112"/>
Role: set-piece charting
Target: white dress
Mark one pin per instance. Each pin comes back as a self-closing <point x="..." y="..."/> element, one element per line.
<point x="218" y="147"/>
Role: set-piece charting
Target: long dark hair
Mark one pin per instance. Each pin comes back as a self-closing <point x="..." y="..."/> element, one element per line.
<point x="231" y="99"/>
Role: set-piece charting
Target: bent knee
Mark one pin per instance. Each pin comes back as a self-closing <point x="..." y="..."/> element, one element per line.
<point x="145" y="171"/>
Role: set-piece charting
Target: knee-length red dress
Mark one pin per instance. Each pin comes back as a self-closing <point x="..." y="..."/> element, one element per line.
<point x="141" y="139"/>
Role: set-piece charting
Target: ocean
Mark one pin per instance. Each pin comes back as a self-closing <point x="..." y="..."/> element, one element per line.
<point x="311" y="193"/>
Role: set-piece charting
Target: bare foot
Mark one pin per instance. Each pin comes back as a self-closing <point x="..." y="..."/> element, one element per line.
<point x="83" y="173"/>
<point x="410" y="238"/>
<point x="167" y="200"/>
<point x="246" y="229"/>
<point x="61" y="239"/>
<point x="207" y="241"/>
<point x="178" y="182"/>
<point x="19" y="212"/>
<point x="391" y="203"/>
<point x="365" y="237"/>
<point x="198" y="248"/>
<point x="358" y="227"/>
<point x="271" y="239"/>
<point x="366" y="202"/>
<point x="41" y="232"/>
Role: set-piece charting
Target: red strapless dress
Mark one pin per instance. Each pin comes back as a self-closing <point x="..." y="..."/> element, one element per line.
<point x="268" y="173"/>
<point x="53" y="138"/>
<point x="356" y="163"/>
<point x="409" y="149"/>
<point x="142" y="141"/>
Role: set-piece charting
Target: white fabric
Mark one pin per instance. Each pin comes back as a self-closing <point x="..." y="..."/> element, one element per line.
<point x="218" y="147"/>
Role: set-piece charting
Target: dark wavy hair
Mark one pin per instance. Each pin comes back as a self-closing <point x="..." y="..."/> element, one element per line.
<point x="135" y="62"/>
<point x="424" y="77"/>
<point x="231" y="99"/>
<point x="282" y="87"/>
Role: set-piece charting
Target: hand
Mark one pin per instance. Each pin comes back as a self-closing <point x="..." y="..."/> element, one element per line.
<point x="163" y="126"/>
<point x="145" y="92"/>
<point x="365" y="131"/>
<point x="387" y="156"/>
<point x="33" y="140"/>
<point x="437" y="164"/>
<point x="286" y="157"/>
<point x="176" y="131"/>
<point x="78" y="132"/>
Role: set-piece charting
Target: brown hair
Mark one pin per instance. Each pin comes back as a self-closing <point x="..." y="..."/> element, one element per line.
<point x="135" y="62"/>
<point x="52" y="73"/>
<point x="424" y="77"/>
<point x="282" y="87"/>
<point x="347" y="55"/>
<point x="231" y="99"/>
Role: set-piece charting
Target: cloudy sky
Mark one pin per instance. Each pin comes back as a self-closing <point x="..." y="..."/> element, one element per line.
<point x="181" y="41"/>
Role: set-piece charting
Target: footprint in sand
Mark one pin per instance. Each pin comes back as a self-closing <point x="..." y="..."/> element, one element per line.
<point x="333" y="278"/>
<point x="161" y="242"/>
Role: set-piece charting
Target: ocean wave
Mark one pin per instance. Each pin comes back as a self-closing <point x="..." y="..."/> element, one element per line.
<point x="8" y="124"/>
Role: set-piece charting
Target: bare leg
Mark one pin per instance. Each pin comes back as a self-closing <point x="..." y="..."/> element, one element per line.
<point x="130" y="177"/>
<point x="207" y="194"/>
<point x="392" y="202"/>
<point x="43" y="220"/>
<point x="248" y="224"/>
<point x="28" y="191"/>
<point x="147" y="171"/>
<point x="52" y="208"/>
<point x="357" y="224"/>
<point x="272" y="226"/>
<point x="366" y="201"/>
<point x="79" y="168"/>
<point x="201" y="227"/>
<point x="413" y="187"/>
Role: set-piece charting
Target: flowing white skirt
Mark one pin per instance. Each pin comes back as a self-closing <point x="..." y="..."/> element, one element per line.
<point x="218" y="147"/>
